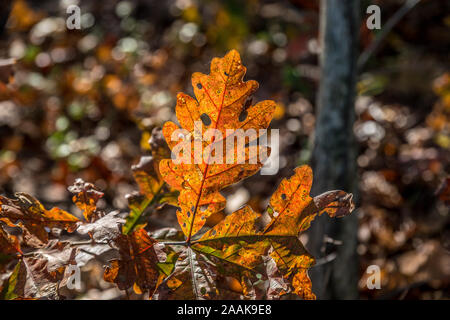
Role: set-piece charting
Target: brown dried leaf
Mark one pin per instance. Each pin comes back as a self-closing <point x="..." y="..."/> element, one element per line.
<point x="179" y="285"/>
<point x="105" y="229"/>
<point x="32" y="279"/>
<point x="143" y="262"/>
<point x="86" y="196"/>
<point x="9" y="244"/>
<point x="31" y="216"/>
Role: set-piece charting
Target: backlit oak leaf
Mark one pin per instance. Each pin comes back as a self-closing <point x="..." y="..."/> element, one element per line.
<point x="143" y="263"/>
<point x="220" y="104"/>
<point x="244" y="239"/>
<point x="30" y="215"/>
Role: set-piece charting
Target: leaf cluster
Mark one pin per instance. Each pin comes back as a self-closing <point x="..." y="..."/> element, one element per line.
<point x="243" y="255"/>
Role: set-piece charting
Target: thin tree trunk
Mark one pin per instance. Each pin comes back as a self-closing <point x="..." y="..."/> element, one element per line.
<point x="334" y="152"/>
<point x="5" y="8"/>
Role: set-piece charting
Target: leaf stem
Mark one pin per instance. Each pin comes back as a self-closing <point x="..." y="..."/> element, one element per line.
<point x="188" y="240"/>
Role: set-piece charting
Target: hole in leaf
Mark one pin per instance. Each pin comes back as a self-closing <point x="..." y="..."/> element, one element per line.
<point x="192" y="208"/>
<point x="226" y="73"/>
<point x="205" y="119"/>
<point x="199" y="85"/>
<point x="243" y="116"/>
<point x="283" y="196"/>
<point x="203" y="208"/>
<point x="203" y="290"/>
<point x="213" y="232"/>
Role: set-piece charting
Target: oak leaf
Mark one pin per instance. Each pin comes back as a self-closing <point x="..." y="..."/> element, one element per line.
<point x="9" y="244"/>
<point x="30" y="215"/>
<point x="246" y="247"/>
<point x="179" y="285"/>
<point x="221" y="100"/>
<point x="143" y="262"/>
<point x="105" y="229"/>
<point x="38" y="275"/>
<point x="85" y="197"/>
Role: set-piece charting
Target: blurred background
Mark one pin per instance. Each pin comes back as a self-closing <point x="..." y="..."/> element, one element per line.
<point x="82" y="103"/>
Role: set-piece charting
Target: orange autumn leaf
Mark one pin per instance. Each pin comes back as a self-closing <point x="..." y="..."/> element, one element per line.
<point x="243" y="238"/>
<point x="245" y="246"/>
<point x="220" y="105"/>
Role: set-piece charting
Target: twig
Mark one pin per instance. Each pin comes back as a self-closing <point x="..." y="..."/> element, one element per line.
<point x="373" y="47"/>
<point x="325" y="259"/>
<point x="81" y="243"/>
<point x="174" y="243"/>
<point x="72" y="244"/>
